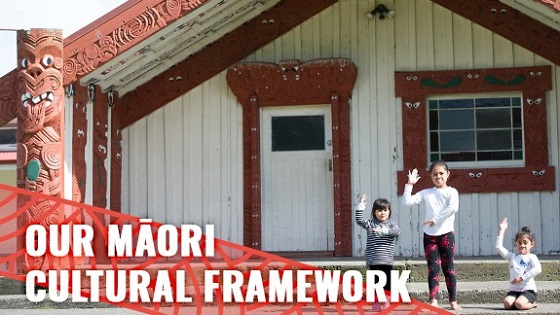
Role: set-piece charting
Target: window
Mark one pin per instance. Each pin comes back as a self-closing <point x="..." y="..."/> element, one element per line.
<point x="8" y="137"/>
<point x="489" y="124"/>
<point x="298" y="133"/>
<point x="470" y="130"/>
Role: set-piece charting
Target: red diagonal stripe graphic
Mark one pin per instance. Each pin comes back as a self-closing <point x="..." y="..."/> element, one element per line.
<point x="228" y="257"/>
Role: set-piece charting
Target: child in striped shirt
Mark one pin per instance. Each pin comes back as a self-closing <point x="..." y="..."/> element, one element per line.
<point x="381" y="235"/>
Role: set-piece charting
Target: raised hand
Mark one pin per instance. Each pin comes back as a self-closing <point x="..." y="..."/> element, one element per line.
<point x="413" y="177"/>
<point x="363" y="198"/>
<point x="504" y="224"/>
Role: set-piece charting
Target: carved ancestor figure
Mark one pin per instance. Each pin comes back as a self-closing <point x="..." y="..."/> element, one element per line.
<point x="40" y="117"/>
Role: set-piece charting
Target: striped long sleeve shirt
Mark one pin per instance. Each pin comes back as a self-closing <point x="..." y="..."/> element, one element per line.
<point x="380" y="247"/>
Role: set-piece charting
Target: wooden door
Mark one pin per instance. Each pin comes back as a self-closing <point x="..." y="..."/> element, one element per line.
<point x="297" y="181"/>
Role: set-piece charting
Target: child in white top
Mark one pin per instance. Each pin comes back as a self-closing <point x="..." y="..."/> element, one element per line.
<point x="523" y="268"/>
<point x="442" y="203"/>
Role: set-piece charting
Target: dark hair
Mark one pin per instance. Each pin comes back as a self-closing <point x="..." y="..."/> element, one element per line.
<point x="440" y="163"/>
<point x="380" y="203"/>
<point x="525" y="232"/>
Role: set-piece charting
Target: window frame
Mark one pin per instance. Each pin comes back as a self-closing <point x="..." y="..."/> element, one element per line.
<point x="473" y="96"/>
<point x="532" y="83"/>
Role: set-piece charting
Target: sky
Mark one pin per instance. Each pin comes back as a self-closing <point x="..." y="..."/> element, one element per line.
<point x="68" y="15"/>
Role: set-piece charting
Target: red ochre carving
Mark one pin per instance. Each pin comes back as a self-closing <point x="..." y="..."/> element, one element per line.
<point x="140" y="21"/>
<point x="511" y="24"/>
<point x="228" y="256"/>
<point x="79" y="141"/>
<point x="216" y="58"/>
<point x="533" y="82"/>
<point x="8" y="97"/>
<point x="40" y="131"/>
<point x="321" y="81"/>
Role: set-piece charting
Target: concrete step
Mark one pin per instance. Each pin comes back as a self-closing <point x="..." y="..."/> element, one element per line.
<point x="487" y="292"/>
<point x="10" y="303"/>
<point x="483" y="309"/>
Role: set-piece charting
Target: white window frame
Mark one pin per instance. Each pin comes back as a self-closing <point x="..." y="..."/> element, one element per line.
<point x="477" y="164"/>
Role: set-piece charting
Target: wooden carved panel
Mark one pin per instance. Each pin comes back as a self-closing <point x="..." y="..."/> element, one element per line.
<point x="216" y="58"/>
<point x="40" y="135"/>
<point x="87" y="51"/>
<point x="8" y="97"/>
<point x="116" y="158"/>
<point x="100" y="146"/>
<point x="511" y="24"/>
<point x="79" y="136"/>
<point x="290" y="83"/>
<point x="533" y="82"/>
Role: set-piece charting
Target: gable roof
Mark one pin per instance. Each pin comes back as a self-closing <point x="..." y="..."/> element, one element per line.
<point x="143" y="44"/>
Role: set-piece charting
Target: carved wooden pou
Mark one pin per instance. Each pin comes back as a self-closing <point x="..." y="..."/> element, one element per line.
<point x="40" y="114"/>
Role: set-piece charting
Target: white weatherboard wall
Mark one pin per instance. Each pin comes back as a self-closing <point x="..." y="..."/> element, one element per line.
<point x="183" y="163"/>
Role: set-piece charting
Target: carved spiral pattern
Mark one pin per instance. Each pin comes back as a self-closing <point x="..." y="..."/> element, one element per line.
<point x="173" y="7"/>
<point x="22" y="154"/>
<point x="7" y="98"/>
<point x="91" y="52"/>
<point x="108" y="48"/>
<point x="135" y="28"/>
<point x="51" y="156"/>
<point x="54" y="217"/>
<point x="70" y="68"/>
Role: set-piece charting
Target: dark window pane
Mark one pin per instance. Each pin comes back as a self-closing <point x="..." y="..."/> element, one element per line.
<point x="433" y="104"/>
<point x="458" y="157"/>
<point x="491" y="156"/>
<point x="298" y="133"/>
<point x="434" y="141"/>
<point x="493" y="102"/>
<point x="434" y="157"/>
<point x="516" y="117"/>
<point x="456" y="119"/>
<point x="517" y="139"/>
<point x="493" y="118"/>
<point x="457" y="141"/>
<point x="8" y="136"/>
<point x="461" y="103"/>
<point x="486" y="128"/>
<point x="493" y="140"/>
<point x="434" y="120"/>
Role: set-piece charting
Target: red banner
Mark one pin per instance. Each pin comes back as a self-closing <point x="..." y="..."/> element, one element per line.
<point x="96" y="254"/>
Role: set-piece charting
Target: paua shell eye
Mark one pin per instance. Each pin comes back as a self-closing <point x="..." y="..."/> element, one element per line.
<point x="24" y="63"/>
<point x="47" y="60"/>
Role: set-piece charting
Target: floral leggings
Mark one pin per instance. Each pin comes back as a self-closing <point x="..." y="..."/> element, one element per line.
<point x="440" y="249"/>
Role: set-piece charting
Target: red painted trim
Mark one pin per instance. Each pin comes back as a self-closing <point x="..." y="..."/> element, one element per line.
<point x="118" y="31"/>
<point x="100" y="147"/>
<point x="216" y="58"/>
<point x="79" y="136"/>
<point x="8" y="97"/>
<point x="325" y="81"/>
<point x="533" y="82"/>
<point x="553" y="4"/>
<point x="106" y="22"/>
<point x="8" y="157"/>
<point x="116" y="160"/>
<point x="511" y="24"/>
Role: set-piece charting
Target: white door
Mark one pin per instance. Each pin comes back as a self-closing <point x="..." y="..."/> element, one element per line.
<point x="297" y="182"/>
